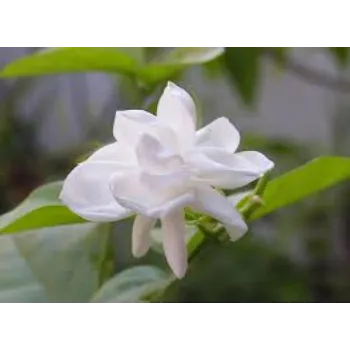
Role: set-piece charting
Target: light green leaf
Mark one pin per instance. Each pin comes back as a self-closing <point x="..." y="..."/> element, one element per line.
<point x="132" y="285"/>
<point x="191" y="55"/>
<point x="137" y="53"/>
<point x="341" y="55"/>
<point x="41" y="209"/>
<point x="243" y="66"/>
<point x="51" y="265"/>
<point x="307" y="180"/>
<point x="176" y="60"/>
<point x="71" y="60"/>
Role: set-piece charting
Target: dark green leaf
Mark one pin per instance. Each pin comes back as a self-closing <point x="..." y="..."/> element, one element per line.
<point x="243" y="66"/>
<point x="176" y="60"/>
<point x="71" y="60"/>
<point x="132" y="285"/>
<point x="41" y="209"/>
<point x="307" y="180"/>
<point x="57" y="264"/>
<point x="341" y="54"/>
<point x="213" y="69"/>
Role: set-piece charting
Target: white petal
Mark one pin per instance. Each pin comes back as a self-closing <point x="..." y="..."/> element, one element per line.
<point x="221" y="169"/>
<point x="86" y="192"/>
<point x="153" y="197"/>
<point x="257" y="161"/>
<point x="177" y="110"/>
<point x="174" y="241"/>
<point x="113" y="152"/>
<point x="170" y="184"/>
<point x="212" y="203"/>
<point x="131" y="125"/>
<point x="175" y="203"/>
<point x="128" y="190"/>
<point x="218" y="134"/>
<point x="141" y="235"/>
<point x="154" y="156"/>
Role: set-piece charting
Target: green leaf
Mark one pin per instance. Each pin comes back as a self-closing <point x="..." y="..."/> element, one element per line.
<point x="213" y="69"/>
<point x="71" y="60"/>
<point x="51" y="265"/>
<point x="176" y="60"/>
<point x="137" y="53"/>
<point x="341" y="54"/>
<point x="41" y="209"/>
<point x="243" y="66"/>
<point x="191" y="55"/>
<point x="132" y="285"/>
<point x="307" y="180"/>
<point x="280" y="55"/>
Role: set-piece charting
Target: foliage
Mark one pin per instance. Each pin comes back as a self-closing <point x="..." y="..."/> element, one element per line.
<point x="60" y="264"/>
<point x="48" y="254"/>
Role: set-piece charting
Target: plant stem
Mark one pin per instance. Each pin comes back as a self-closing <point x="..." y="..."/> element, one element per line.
<point x="198" y="242"/>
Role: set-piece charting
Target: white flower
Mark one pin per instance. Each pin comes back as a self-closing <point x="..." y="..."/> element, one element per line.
<point x="158" y="166"/>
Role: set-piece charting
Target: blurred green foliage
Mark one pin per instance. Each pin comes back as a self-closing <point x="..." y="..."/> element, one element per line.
<point x="246" y="271"/>
<point x="341" y="54"/>
<point x="243" y="66"/>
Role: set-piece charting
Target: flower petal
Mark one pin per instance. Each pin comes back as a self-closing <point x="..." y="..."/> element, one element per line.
<point x="218" y="134"/>
<point x="141" y="235"/>
<point x="152" y="195"/>
<point x="174" y="241"/>
<point x="154" y="156"/>
<point x="212" y="203"/>
<point x="171" y="205"/>
<point x="130" y="126"/>
<point x="128" y="190"/>
<point x="221" y="169"/>
<point x="177" y="110"/>
<point x="256" y="160"/>
<point x="86" y="192"/>
<point x="113" y="152"/>
<point x="170" y="184"/>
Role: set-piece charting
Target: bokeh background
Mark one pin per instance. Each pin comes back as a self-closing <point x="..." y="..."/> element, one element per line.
<point x="291" y="104"/>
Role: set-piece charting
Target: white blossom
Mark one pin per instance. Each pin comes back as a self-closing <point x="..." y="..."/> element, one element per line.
<point x="158" y="166"/>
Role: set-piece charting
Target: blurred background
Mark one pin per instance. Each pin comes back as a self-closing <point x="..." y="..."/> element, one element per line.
<point x="289" y="104"/>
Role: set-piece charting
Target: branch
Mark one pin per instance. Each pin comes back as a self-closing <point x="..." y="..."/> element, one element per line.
<point x="312" y="76"/>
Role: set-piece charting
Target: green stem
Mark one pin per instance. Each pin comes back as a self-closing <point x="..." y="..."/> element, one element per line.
<point x="253" y="204"/>
<point x="261" y="185"/>
<point x="196" y="244"/>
